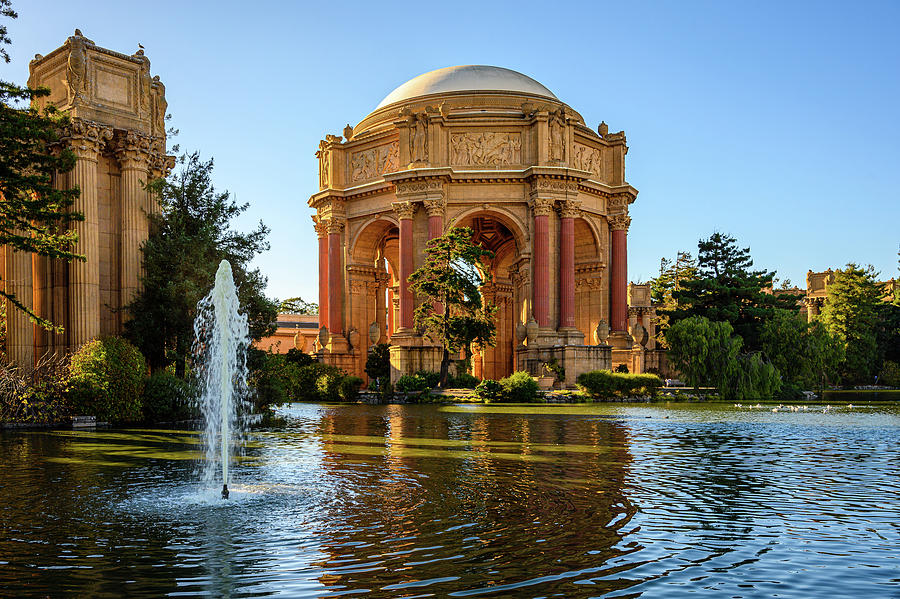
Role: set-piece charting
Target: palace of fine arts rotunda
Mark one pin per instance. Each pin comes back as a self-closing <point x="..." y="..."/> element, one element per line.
<point x="490" y="149"/>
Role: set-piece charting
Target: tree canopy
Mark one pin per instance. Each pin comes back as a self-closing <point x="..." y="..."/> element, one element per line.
<point x="726" y="289"/>
<point x="452" y="310"/>
<point x="188" y="239"/>
<point x="34" y="212"/>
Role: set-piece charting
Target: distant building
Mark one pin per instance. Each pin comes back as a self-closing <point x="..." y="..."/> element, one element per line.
<point x="298" y="331"/>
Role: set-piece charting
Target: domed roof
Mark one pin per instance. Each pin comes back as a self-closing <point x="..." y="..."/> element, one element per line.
<point x="467" y="78"/>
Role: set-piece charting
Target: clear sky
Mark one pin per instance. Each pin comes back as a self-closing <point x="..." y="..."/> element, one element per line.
<point x="775" y="122"/>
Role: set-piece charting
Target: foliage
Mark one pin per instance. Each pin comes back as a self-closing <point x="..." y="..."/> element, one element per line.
<point x="34" y="211"/>
<point x="188" y="239"/>
<point x="520" y="387"/>
<point x="378" y="365"/>
<point x="804" y="353"/>
<point x="554" y="367"/>
<point x="296" y="305"/>
<point x="463" y="380"/>
<point x="605" y="384"/>
<point x="431" y="378"/>
<point x="887" y="330"/>
<point x="452" y="311"/>
<point x="280" y="378"/>
<point x="168" y="398"/>
<point x="411" y="383"/>
<point x="727" y="290"/>
<point x="850" y="313"/>
<point x="298" y="357"/>
<point x="751" y="377"/>
<point x="36" y="396"/>
<point x="316" y="382"/>
<point x="890" y="374"/>
<point x="489" y="391"/>
<point x="702" y="350"/>
<point x="106" y="380"/>
<point x="623" y="368"/>
<point x="269" y="378"/>
<point x="348" y="390"/>
<point x="671" y="275"/>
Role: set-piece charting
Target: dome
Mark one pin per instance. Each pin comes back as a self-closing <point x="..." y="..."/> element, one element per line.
<point x="467" y="78"/>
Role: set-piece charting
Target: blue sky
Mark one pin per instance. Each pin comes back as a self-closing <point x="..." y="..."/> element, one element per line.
<point x="774" y="122"/>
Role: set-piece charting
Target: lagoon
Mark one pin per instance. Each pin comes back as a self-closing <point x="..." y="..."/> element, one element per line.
<point x="593" y="500"/>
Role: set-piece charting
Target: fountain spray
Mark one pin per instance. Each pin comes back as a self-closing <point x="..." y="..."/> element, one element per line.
<point x="221" y="339"/>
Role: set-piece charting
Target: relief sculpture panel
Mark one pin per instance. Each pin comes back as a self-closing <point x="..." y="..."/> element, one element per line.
<point x="485" y="149"/>
<point x="369" y="164"/>
<point x="587" y="159"/>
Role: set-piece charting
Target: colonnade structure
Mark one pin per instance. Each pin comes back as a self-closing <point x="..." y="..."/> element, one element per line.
<point x="117" y="131"/>
<point x="494" y="150"/>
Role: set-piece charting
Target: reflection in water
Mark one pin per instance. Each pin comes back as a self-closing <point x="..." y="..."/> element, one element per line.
<point x="497" y="501"/>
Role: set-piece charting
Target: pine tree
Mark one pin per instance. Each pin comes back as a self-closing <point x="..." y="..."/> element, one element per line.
<point x="34" y="214"/>
<point x="188" y="239"/>
<point x="452" y="310"/>
<point x="726" y="289"/>
<point x="672" y="275"/>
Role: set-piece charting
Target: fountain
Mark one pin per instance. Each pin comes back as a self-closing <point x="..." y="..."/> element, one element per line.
<point x="221" y="339"/>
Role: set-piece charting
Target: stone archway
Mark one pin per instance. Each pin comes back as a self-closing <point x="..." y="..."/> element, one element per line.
<point x="493" y="234"/>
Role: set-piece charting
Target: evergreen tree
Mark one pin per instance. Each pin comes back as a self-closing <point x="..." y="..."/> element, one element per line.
<point x="806" y="354"/>
<point x="851" y="314"/>
<point x="188" y="239"/>
<point x="727" y="289"/>
<point x="452" y="311"/>
<point x="34" y="214"/>
<point x="672" y="274"/>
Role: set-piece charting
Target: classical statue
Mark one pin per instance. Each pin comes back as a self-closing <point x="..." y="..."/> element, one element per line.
<point x="557" y="123"/>
<point x="76" y="68"/>
<point x="418" y="151"/>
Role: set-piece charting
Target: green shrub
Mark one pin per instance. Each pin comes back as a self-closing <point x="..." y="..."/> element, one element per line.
<point x="463" y="380"/>
<point x="432" y="379"/>
<point x="489" y="391"/>
<point x="349" y="388"/>
<point x="604" y="384"/>
<point x="410" y="384"/>
<point x="168" y="398"/>
<point x="296" y="356"/>
<point x="38" y="396"/>
<point x="304" y="384"/>
<point x="519" y="387"/>
<point x="890" y="374"/>
<point x="269" y="376"/>
<point x="107" y="380"/>
<point x="328" y="385"/>
<point x="622" y="368"/>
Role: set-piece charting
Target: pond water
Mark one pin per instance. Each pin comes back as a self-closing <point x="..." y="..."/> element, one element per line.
<point x="662" y="500"/>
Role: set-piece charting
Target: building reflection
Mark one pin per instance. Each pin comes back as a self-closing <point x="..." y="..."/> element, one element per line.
<point x="444" y="501"/>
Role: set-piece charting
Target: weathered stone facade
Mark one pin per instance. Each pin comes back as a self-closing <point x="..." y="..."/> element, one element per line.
<point x="118" y="133"/>
<point x="493" y="150"/>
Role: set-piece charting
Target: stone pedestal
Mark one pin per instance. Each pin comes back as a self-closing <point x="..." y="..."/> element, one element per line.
<point x="576" y="359"/>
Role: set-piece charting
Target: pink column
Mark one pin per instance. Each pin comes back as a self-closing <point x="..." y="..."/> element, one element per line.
<point x="435" y="209"/>
<point x="406" y="269"/>
<point x="335" y="279"/>
<point x="619" y="275"/>
<point x="322" y="232"/>
<point x="567" y="272"/>
<point x="542" y="266"/>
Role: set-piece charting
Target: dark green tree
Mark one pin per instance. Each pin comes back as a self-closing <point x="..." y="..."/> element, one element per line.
<point x="728" y="290"/>
<point x="452" y="310"/>
<point x="671" y="275"/>
<point x="851" y="314"/>
<point x="34" y="214"/>
<point x="188" y="239"/>
<point x="705" y="352"/>
<point x="806" y="354"/>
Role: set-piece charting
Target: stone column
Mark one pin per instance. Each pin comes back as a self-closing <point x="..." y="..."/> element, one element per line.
<point x="541" y="288"/>
<point x="568" y="213"/>
<point x="619" y="224"/>
<point x="405" y="212"/>
<point x="132" y="153"/>
<point x="84" y="277"/>
<point x="335" y="277"/>
<point x="322" y="234"/>
<point x="19" y="328"/>
<point x="435" y="210"/>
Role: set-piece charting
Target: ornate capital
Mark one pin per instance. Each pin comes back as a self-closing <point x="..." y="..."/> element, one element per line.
<point x="335" y="225"/>
<point x="86" y="138"/>
<point x="434" y="206"/>
<point x="404" y="210"/>
<point x="320" y="226"/>
<point x="133" y="150"/>
<point x="619" y="222"/>
<point x="570" y="209"/>
<point x="541" y="206"/>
